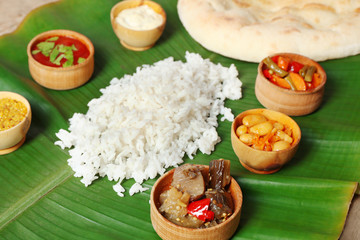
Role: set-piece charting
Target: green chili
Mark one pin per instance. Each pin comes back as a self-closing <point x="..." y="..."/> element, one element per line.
<point x="289" y="80"/>
<point x="273" y="66"/>
<point x="303" y="70"/>
<point x="309" y="74"/>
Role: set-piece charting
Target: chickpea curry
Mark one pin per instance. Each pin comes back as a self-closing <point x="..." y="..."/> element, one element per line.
<point x="261" y="133"/>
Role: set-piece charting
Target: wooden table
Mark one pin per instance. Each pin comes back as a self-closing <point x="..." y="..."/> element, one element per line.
<point x="13" y="12"/>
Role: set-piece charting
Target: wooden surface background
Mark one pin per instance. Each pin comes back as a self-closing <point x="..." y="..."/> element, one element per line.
<point x="13" y="12"/>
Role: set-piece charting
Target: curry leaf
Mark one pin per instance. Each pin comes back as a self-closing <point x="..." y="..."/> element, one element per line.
<point x="53" y="55"/>
<point x="52" y="39"/>
<point x="45" y="47"/>
<point x="68" y="63"/>
<point x="58" y="59"/>
<point x="35" y="52"/>
<point x="80" y="60"/>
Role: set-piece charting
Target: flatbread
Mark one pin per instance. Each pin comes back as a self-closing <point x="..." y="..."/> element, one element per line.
<point x="250" y="30"/>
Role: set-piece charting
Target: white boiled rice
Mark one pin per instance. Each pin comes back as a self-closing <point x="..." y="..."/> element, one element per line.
<point x="145" y="123"/>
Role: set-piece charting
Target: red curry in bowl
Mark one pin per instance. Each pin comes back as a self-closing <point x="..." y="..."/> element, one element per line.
<point x="59" y="51"/>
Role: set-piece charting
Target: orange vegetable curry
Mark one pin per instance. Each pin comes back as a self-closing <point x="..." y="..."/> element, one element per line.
<point x="290" y="74"/>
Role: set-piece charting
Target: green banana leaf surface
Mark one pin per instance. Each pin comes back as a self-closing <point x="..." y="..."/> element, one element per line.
<point x="40" y="198"/>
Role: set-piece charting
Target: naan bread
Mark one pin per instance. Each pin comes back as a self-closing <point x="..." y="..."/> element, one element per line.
<point x="250" y="30"/>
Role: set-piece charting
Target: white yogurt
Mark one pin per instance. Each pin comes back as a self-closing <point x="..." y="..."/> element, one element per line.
<point x="139" y="18"/>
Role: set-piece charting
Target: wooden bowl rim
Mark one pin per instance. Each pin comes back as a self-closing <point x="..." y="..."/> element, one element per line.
<point x="139" y="3"/>
<point x="13" y="148"/>
<point x="236" y="212"/>
<point x="247" y="112"/>
<point x="62" y="32"/>
<point x="289" y="91"/>
<point x="7" y="94"/>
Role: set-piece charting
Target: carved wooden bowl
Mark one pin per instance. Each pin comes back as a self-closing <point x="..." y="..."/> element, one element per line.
<point x="62" y="78"/>
<point x="170" y="231"/>
<point x="137" y="40"/>
<point x="12" y="138"/>
<point x="290" y="102"/>
<point x="260" y="161"/>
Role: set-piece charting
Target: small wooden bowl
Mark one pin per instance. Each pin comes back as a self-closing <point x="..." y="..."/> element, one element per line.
<point x="137" y="40"/>
<point x="61" y="78"/>
<point x="170" y="231"/>
<point x="264" y="162"/>
<point x="293" y="103"/>
<point x="11" y="139"/>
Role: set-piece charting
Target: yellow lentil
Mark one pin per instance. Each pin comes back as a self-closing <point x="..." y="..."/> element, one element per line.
<point x="12" y="112"/>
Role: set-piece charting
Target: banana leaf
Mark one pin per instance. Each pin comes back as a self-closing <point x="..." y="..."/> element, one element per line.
<point x="41" y="199"/>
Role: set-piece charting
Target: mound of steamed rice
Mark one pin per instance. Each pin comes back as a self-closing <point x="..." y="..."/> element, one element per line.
<point x="145" y="123"/>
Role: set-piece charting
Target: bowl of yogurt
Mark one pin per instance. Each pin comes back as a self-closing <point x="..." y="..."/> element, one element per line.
<point x="137" y="23"/>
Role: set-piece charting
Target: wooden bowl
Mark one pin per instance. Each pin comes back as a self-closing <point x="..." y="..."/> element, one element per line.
<point x="11" y="139"/>
<point x="293" y="103"/>
<point x="137" y="40"/>
<point x="61" y="78"/>
<point x="259" y="161"/>
<point x="170" y="231"/>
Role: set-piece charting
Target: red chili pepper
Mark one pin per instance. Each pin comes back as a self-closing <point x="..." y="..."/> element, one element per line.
<point x="275" y="59"/>
<point x="209" y="215"/>
<point x="267" y="74"/>
<point x="295" y="66"/>
<point x="200" y="209"/>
